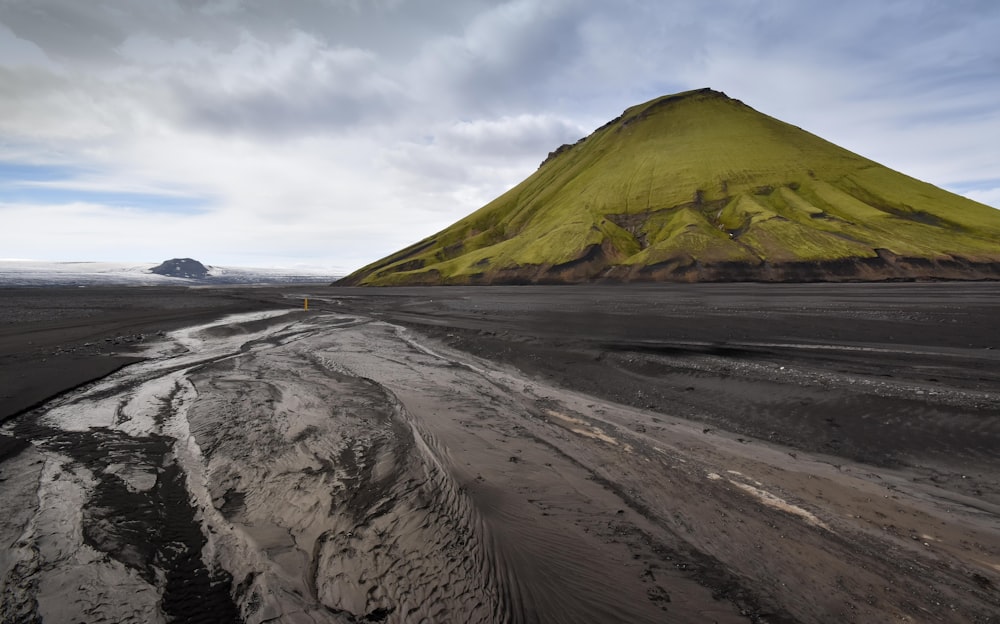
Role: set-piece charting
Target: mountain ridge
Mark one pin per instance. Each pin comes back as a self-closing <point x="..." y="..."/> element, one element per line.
<point x="698" y="186"/>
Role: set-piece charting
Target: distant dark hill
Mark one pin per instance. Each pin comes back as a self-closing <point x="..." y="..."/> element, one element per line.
<point x="700" y="187"/>
<point x="181" y="267"/>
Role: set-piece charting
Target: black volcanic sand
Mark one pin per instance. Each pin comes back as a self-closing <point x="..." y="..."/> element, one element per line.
<point x="874" y="364"/>
<point x="873" y="407"/>
<point x="897" y="381"/>
<point x="54" y="339"/>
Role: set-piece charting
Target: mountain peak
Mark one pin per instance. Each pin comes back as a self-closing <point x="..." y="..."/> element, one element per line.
<point x="699" y="186"/>
<point x="643" y="111"/>
<point x="705" y="93"/>
<point x="664" y="103"/>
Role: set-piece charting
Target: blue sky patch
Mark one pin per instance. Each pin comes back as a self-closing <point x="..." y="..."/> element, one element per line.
<point x="27" y="184"/>
<point x="969" y="186"/>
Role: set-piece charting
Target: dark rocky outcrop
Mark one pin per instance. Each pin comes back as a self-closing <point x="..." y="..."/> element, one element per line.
<point x="181" y="267"/>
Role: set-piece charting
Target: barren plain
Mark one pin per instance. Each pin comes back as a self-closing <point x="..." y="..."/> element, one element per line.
<point x="655" y="453"/>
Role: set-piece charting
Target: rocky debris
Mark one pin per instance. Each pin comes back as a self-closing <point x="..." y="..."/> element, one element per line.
<point x="105" y="345"/>
<point x="132" y="338"/>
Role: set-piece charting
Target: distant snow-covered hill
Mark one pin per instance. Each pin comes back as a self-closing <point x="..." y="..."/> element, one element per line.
<point x="38" y="273"/>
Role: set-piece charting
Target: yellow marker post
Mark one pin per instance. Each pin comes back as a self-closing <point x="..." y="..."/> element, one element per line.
<point x="305" y="304"/>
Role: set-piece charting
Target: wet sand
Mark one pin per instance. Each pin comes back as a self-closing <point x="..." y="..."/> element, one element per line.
<point x="682" y="453"/>
<point x="54" y="339"/>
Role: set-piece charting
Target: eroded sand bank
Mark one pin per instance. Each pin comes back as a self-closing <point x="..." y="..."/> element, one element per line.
<point x="332" y="467"/>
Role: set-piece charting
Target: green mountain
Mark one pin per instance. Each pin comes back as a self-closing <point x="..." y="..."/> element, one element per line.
<point x="700" y="187"/>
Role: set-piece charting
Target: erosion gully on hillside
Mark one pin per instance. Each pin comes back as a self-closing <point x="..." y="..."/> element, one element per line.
<point x="749" y="453"/>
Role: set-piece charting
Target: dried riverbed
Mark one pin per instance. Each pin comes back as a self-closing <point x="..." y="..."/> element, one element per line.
<point x="362" y="462"/>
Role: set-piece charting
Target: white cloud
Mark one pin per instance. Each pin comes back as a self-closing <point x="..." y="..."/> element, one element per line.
<point x="510" y="135"/>
<point x="17" y="52"/>
<point x="336" y="132"/>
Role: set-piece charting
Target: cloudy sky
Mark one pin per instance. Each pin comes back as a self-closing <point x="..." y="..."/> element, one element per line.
<point x="328" y="133"/>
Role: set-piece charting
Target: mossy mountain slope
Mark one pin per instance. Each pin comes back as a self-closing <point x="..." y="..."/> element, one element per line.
<point x="700" y="187"/>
